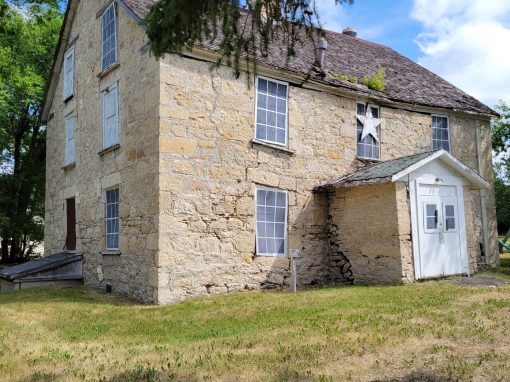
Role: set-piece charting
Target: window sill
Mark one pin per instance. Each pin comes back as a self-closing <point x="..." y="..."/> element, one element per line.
<point x="108" y="70"/>
<point x="69" y="166"/>
<point x="256" y="142"/>
<point x="279" y="255"/>
<point x="108" y="149"/>
<point x="111" y="252"/>
<point x="69" y="98"/>
<point x="368" y="160"/>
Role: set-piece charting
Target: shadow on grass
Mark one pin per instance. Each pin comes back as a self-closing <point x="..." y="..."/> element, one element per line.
<point x="82" y="295"/>
<point x="416" y="376"/>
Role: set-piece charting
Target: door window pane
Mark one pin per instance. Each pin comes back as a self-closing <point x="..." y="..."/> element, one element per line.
<point x="431" y="216"/>
<point x="449" y="215"/>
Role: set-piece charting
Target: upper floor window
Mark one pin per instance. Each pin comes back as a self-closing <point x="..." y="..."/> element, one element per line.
<point x="112" y="219"/>
<point x="271" y="221"/>
<point x="69" y="73"/>
<point x="440" y="133"/>
<point x="69" y="140"/>
<point x="271" y="111"/>
<point x="110" y="116"/>
<point x="368" y="131"/>
<point x="109" y="41"/>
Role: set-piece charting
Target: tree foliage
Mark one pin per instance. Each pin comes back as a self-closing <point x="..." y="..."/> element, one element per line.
<point x="28" y="35"/>
<point x="500" y="131"/>
<point x="238" y="30"/>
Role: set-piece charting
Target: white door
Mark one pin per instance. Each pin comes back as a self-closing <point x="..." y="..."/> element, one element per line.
<point x="438" y="221"/>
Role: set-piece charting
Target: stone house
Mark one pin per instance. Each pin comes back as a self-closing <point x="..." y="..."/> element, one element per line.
<point x="176" y="180"/>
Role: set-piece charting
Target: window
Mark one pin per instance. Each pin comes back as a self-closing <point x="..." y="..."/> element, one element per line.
<point x="112" y="219"/>
<point x="368" y="131"/>
<point x="440" y="133"/>
<point x="271" y="111"/>
<point x="449" y="217"/>
<point x="110" y="116"/>
<point x="109" y="28"/>
<point x="69" y="74"/>
<point x="69" y="140"/>
<point x="271" y="221"/>
<point x="431" y="217"/>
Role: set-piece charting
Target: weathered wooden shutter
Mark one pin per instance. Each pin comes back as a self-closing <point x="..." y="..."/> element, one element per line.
<point x="69" y="73"/>
<point x="70" y="140"/>
<point x="71" y="224"/>
<point x="110" y="117"/>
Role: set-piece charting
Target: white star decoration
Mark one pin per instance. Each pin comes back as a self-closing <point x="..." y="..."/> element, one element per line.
<point x="369" y="124"/>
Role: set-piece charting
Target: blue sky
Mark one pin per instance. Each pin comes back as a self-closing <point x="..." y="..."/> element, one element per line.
<point x="464" y="41"/>
<point x="385" y="22"/>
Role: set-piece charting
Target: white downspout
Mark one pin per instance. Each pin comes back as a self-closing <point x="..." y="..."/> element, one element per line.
<point x="483" y="196"/>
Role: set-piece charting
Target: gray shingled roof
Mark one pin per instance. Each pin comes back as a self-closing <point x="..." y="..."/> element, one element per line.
<point x="140" y="7"/>
<point x="38" y="265"/>
<point x="406" y="81"/>
<point x="378" y="172"/>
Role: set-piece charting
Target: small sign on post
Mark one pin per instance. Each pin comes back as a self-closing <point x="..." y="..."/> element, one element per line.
<point x="293" y="253"/>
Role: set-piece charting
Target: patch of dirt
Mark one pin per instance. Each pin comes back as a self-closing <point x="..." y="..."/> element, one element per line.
<point x="482" y="280"/>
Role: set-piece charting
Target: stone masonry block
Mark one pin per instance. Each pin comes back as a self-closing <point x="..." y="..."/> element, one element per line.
<point x="177" y="145"/>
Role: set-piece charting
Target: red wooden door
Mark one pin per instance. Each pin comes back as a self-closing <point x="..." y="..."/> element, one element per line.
<point x="71" y="225"/>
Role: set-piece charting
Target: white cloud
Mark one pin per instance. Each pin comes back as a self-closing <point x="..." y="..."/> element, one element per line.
<point x="466" y="42"/>
<point x="332" y="16"/>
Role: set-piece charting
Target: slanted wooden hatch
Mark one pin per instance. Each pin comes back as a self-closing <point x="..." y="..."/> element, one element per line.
<point x="61" y="269"/>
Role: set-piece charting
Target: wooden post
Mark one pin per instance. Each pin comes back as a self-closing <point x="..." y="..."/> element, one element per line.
<point x="293" y="253"/>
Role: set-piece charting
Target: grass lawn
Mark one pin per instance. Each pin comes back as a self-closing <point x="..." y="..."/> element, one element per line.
<point x="432" y="331"/>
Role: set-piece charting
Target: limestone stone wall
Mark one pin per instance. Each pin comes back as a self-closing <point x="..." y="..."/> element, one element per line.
<point x="367" y="219"/>
<point x="133" y="167"/>
<point x="187" y="171"/>
<point x="405" y="231"/>
<point x="464" y="147"/>
<point x="473" y="238"/>
<point x="209" y="170"/>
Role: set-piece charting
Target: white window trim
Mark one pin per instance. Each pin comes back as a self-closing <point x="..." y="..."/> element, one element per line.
<point x="106" y="218"/>
<point x="67" y="159"/>
<point x="286" y="111"/>
<point x="448" y="129"/>
<point x="286" y="239"/>
<point x="356" y="131"/>
<point x="116" y="37"/>
<point x="69" y="52"/>
<point x="103" y="95"/>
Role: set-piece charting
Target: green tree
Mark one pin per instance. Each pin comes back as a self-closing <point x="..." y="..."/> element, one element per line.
<point x="500" y="127"/>
<point x="500" y="130"/>
<point x="239" y="30"/>
<point x="29" y="32"/>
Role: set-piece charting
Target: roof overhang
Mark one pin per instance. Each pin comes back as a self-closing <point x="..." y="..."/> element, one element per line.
<point x="370" y="175"/>
<point x="475" y="181"/>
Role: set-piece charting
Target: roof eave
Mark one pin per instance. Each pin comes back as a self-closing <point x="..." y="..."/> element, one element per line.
<point x="475" y="180"/>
